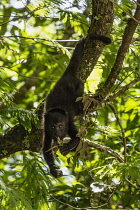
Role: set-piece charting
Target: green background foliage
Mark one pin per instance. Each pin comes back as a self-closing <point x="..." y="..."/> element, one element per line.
<point x="36" y="41"/>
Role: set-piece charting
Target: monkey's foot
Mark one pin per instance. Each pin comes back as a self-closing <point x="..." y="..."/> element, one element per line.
<point x="54" y="170"/>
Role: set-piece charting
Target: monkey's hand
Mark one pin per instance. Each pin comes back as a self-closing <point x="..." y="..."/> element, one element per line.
<point x="65" y="149"/>
<point x="54" y="170"/>
<point x="69" y="147"/>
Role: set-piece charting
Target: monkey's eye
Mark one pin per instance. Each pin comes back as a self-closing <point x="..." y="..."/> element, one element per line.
<point x="52" y="126"/>
<point x="60" y="125"/>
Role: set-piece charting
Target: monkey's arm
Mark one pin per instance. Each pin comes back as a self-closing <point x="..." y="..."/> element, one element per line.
<point x="49" y="158"/>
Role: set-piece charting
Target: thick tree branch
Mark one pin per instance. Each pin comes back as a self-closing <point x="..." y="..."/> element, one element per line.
<point x="101" y="23"/>
<point x="126" y="40"/>
<point x="18" y="139"/>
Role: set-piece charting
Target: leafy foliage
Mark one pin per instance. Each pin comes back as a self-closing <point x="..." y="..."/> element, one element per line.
<point x="36" y="43"/>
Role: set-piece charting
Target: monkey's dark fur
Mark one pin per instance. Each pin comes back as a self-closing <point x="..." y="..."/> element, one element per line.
<point x="61" y="107"/>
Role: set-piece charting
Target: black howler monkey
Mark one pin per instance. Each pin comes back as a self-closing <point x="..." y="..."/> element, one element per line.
<point x="61" y="107"/>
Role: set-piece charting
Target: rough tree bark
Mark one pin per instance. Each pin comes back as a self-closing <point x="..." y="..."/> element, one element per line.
<point x="101" y="23"/>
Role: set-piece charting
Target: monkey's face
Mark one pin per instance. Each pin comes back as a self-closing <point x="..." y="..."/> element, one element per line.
<point x="58" y="130"/>
<point x="56" y="125"/>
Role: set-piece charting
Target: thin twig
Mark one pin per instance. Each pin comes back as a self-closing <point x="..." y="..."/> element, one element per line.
<point x="132" y="184"/>
<point x="129" y="74"/>
<point x="93" y="207"/>
<point x="122" y="130"/>
<point x="125" y="11"/>
<point x="105" y="149"/>
<point x="123" y="89"/>
<point x="136" y="2"/>
<point x="34" y="38"/>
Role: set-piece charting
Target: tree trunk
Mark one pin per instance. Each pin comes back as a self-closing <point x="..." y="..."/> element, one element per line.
<point x="101" y="23"/>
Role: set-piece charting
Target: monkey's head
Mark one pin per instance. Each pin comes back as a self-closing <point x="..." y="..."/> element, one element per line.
<point x="56" y="121"/>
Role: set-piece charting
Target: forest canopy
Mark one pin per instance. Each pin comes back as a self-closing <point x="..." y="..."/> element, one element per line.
<point x="37" y="38"/>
